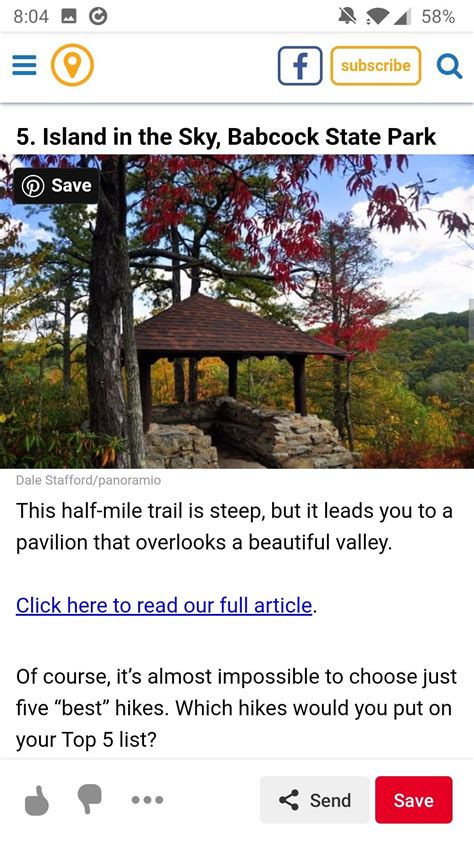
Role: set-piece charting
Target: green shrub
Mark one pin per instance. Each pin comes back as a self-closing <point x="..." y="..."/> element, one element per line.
<point x="55" y="449"/>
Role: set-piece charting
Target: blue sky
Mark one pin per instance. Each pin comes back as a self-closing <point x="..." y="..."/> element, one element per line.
<point x="437" y="269"/>
<point x="449" y="170"/>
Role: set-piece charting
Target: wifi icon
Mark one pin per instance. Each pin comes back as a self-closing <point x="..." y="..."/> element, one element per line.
<point x="377" y="15"/>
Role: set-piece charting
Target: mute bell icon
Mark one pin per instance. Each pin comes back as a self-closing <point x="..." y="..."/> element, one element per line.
<point x="347" y="14"/>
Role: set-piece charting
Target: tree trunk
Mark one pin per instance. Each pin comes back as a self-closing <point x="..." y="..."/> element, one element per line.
<point x="178" y="364"/>
<point x="136" y="438"/>
<point x="103" y="354"/>
<point x="347" y="405"/>
<point x="337" y="394"/>
<point x="39" y="414"/>
<point x="338" y="399"/>
<point x="195" y="287"/>
<point x="3" y="371"/>
<point x="67" y="344"/>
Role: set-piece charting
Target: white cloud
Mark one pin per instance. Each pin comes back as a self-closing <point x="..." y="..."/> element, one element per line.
<point x="431" y="240"/>
<point x="440" y="286"/>
<point x="427" y="261"/>
<point x="30" y="235"/>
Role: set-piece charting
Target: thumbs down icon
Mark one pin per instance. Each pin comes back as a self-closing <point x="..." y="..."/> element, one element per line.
<point x="89" y="794"/>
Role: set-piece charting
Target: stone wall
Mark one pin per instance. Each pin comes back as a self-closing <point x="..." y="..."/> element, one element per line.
<point x="274" y="438"/>
<point x="281" y="439"/>
<point x="179" y="446"/>
<point x="200" y="413"/>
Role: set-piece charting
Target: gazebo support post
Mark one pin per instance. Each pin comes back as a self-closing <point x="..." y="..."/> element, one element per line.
<point x="144" y="366"/>
<point x="232" y="366"/>
<point x="297" y="362"/>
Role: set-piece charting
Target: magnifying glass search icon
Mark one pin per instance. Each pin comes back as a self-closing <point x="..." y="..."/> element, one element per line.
<point x="448" y="65"/>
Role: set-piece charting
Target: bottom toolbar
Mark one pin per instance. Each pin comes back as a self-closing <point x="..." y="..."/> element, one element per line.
<point x="248" y="798"/>
<point x="315" y="800"/>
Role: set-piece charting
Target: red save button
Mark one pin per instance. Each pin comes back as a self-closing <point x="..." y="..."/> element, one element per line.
<point x="414" y="800"/>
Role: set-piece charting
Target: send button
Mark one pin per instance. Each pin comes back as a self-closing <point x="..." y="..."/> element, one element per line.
<point x="376" y="65"/>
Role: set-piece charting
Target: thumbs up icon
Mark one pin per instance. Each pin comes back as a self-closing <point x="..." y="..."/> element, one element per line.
<point x="36" y="805"/>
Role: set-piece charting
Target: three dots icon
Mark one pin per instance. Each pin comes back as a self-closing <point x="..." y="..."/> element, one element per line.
<point x="147" y="799"/>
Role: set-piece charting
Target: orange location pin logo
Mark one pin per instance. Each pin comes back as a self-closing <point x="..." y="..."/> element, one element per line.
<point x="72" y="65"/>
<point x="73" y="62"/>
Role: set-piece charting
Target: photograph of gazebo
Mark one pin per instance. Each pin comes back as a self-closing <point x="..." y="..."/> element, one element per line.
<point x="201" y="326"/>
<point x="239" y="311"/>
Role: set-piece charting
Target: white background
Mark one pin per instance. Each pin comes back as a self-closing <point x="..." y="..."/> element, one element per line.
<point x="403" y="610"/>
<point x="451" y="126"/>
<point x="221" y="67"/>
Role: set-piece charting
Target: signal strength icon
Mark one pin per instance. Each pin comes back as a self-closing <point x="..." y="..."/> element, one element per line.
<point x="377" y="15"/>
<point x="405" y="19"/>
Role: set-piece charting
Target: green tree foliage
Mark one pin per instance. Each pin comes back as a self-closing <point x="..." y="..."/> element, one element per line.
<point x="60" y="282"/>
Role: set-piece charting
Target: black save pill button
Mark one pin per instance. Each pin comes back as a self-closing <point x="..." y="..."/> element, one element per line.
<point x="45" y="186"/>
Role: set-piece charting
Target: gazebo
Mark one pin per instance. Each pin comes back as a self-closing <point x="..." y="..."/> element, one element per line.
<point x="201" y="326"/>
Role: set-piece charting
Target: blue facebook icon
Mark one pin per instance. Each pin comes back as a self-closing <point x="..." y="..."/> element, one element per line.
<point x="300" y="66"/>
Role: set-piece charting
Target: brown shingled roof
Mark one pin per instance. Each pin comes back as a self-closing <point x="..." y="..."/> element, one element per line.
<point x="203" y="325"/>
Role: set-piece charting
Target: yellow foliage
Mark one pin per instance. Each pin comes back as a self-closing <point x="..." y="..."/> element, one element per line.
<point x="212" y="379"/>
<point x="4" y="417"/>
<point x="162" y="382"/>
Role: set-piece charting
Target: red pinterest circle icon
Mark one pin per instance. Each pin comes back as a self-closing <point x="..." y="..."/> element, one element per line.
<point x="414" y="800"/>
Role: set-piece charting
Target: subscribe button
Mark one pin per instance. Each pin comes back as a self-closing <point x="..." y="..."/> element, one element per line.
<point x="376" y="65"/>
<point x="414" y="800"/>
